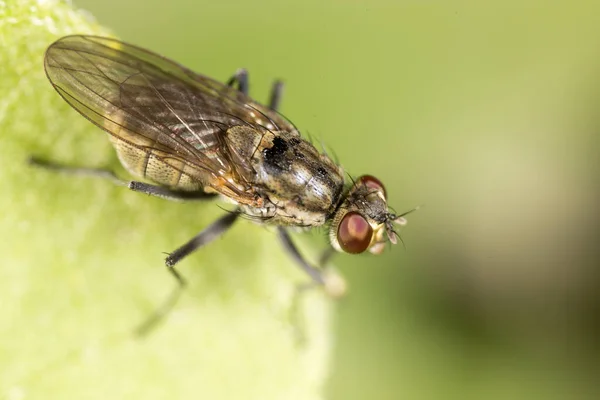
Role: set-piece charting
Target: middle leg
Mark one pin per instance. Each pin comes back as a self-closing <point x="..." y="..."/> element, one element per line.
<point x="206" y="236"/>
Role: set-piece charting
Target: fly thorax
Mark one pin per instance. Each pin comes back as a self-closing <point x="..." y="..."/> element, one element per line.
<point x="242" y="143"/>
<point x="303" y="184"/>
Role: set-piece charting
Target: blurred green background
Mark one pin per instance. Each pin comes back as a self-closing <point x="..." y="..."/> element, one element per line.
<point x="486" y="115"/>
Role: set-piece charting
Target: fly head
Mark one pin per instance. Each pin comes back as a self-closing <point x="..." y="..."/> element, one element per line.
<point x="363" y="221"/>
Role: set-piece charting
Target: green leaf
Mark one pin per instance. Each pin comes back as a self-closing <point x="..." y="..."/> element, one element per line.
<point x="82" y="264"/>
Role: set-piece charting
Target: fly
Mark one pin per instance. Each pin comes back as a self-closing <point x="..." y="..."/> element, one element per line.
<point x="196" y="139"/>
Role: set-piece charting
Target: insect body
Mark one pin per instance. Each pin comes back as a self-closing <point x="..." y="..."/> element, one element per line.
<point x="196" y="138"/>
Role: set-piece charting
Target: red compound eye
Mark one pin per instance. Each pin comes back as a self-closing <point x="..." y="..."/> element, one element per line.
<point x="354" y="233"/>
<point x="373" y="183"/>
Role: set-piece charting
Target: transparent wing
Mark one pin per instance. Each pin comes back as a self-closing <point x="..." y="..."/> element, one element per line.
<point x="158" y="106"/>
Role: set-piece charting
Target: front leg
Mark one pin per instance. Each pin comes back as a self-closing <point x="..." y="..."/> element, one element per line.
<point x="314" y="273"/>
<point x="333" y="284"/>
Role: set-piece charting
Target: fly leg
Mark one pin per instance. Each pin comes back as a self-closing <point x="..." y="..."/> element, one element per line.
<point x="206" y="236"/>
<point x="165" y="193"/>
<point x="210" y="233"/>
<point x="326" y="256"/>
<point x="241" y="79"/>
<point x="146" y="188"/>
<point x="276" y="93"/>
<point x="83" y="171"/>
<point x="333" y="284"/>
<point x="315" y="273"/>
